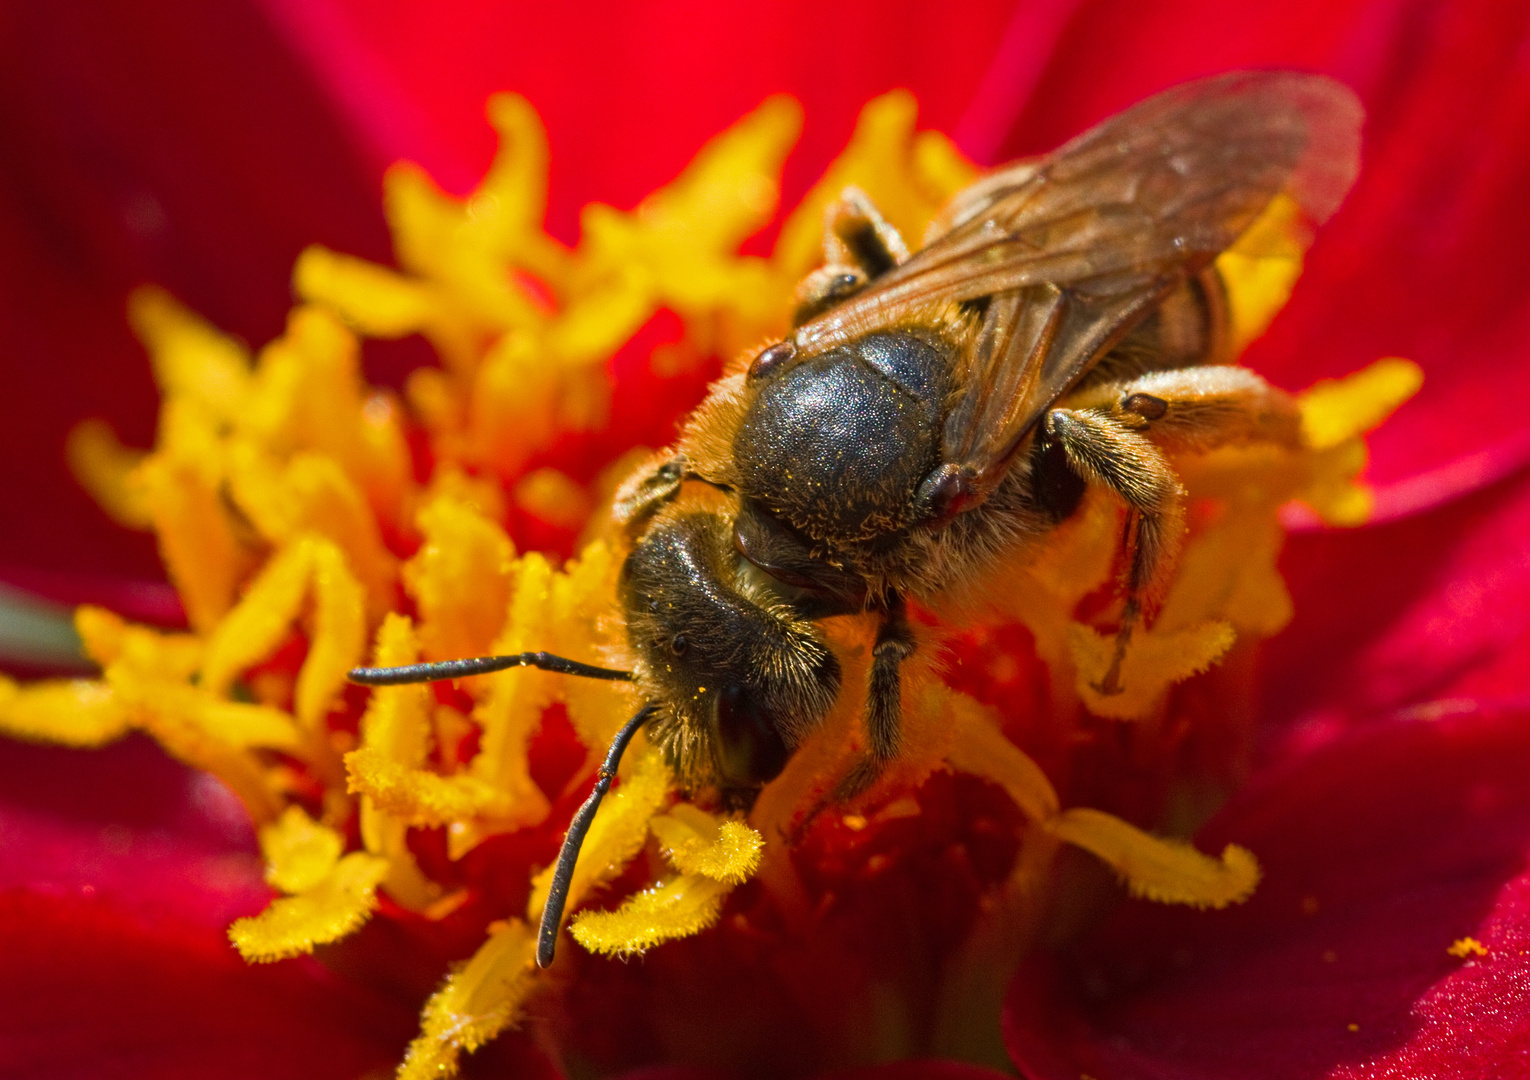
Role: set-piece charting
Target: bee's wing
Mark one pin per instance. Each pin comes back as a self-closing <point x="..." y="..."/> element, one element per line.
<point x="1074" y="248"/>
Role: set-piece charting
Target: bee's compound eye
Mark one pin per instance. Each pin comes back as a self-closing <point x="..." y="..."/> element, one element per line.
<point x="774" y="356"/>
<point x="678" y="644"/>
<point x="750" y="750"/>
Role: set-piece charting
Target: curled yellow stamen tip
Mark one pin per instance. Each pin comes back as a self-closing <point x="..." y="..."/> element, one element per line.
<point x="343" y="900"/>
<point x="300" y="853"/>
<point x="104" y="468"/>
<point x="192" y="360"/>
<point x="696" y="842"/>
<point x="475" y="1003"/>
<point x="376" y="301"/>
<point x="1155" y="660"/>
<point x="1335" y="410"/>
<point x="1168" y="871"/>
<point x="684" y="906"/>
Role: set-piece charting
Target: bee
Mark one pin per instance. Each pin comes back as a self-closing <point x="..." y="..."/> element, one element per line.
<point x="934" y="414"/>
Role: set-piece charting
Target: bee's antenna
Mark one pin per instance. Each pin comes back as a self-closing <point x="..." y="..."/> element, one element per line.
<point x="568" y="855"/>
<point x="479" y="665"/>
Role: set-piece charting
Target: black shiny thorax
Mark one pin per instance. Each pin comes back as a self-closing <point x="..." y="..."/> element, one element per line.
<point x="836" y="444"/>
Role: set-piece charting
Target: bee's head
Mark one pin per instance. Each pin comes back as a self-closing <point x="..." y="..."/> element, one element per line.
<point x="740" y="679"/>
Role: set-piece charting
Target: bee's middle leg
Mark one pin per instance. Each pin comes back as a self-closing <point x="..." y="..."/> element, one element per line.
<point x="884" y="701"/>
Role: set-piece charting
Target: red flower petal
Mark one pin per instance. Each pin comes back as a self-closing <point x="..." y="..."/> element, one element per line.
<point x="88" y="992"/>
<point x="129" y="827"/>
<point x="122" y="870"/>
<point x="181" y="145"/>
<point x="1379" y="852"/>
<point x="1431" y="613"/>
<point x="1428" y="256"/>
<point x="897" y="1070"/>
<point x="629" y="94"/>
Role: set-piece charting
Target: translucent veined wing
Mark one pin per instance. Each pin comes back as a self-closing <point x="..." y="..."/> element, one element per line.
<point x="1071" y="250"/>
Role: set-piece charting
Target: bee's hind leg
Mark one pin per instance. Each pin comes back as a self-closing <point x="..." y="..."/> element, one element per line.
<point x="1115" y="434"/>
<point x="859" y="245"/>
<point x="1103" y="451"/>
<point x="884" y="701"/>
<point x="1195" y="409"/>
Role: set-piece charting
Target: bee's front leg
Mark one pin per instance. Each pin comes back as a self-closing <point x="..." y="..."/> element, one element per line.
<point x="859" y="245"/>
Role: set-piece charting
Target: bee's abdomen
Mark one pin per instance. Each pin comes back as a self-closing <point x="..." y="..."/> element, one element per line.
<point x="838" y="443"/>
<point x="1189" y="328"/>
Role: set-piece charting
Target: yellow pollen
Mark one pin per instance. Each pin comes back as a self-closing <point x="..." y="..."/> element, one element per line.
<point x="283" y="494"/>
<point x="1461" y="948"/>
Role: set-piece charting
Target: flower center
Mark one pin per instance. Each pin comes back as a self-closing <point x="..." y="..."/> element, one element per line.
<point x="302" y="513"/>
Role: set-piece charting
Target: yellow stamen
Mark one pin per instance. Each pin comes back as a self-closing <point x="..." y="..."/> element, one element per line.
<point x="981" y="749"/>
<point x="683" y="906"/>
<point x="460" y="579"/>
<point x="343" y="900"/>
<point x="192" y="359"/>
<point x="419" y="796"/>
<point x="1155" y="660"/>
<point x="1334" y="415"/>
<point x="196" y="538"/>
<point x="712" y="854"/>
<point x="1336" y="410"/>
<point x="1261" y="268"/>
<point x="477" y="1001"/>
<point x="696" y="842"/>
<point x="265" y="616"/>
<point x="300" y="853"/>
<point x="76" y="712"/>
<point x="1168" y="871"/>
<point x="396" y="729"/>
<point x="105" y="468"/>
